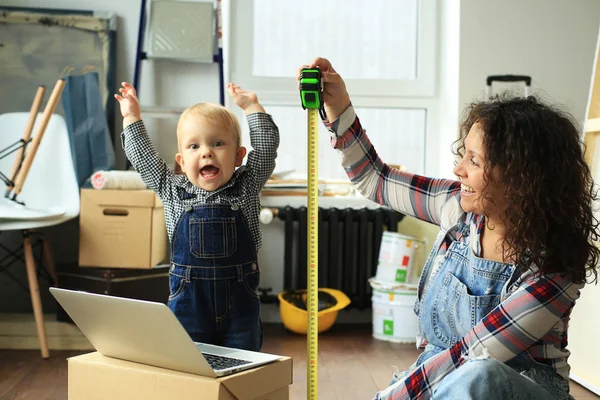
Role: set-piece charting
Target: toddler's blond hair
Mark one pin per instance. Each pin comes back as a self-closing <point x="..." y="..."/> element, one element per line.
<point x="217" y="114"/>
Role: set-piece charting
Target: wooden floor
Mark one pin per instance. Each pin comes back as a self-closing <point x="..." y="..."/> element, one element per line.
<point x="352" y="365"/>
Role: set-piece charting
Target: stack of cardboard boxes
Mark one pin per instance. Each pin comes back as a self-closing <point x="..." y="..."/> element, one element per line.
<point x="122" y="247"/>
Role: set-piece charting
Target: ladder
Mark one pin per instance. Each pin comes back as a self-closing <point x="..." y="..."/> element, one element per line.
<point x="592" y="123"/>
<point x="145" y="25"/>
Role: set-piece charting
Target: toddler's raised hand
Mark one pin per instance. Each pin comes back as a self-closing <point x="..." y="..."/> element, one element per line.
<point x="244" y="99"/>
<point x="130" y="105"/>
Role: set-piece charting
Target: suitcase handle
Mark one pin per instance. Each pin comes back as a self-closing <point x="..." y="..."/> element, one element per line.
<point x="509" y="78"/>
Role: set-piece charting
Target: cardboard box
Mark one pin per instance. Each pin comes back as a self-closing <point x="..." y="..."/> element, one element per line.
<point x="121" y="229"/>
<point x="93" y="376"/>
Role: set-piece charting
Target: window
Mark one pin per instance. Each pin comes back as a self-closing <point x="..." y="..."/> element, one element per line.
<point x="384" y="49"/>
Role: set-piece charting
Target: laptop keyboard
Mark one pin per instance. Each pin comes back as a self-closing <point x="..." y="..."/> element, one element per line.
<point x="222" y="362"/>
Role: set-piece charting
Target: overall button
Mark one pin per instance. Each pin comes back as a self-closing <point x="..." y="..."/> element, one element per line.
<point x="254" y="266"/>
<point x="235" y="207"/>
<point x="189" y="208"/>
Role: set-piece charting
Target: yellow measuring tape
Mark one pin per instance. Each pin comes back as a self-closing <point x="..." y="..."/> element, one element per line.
<point x="311" y="94"/>
<point x="312" y="265"/>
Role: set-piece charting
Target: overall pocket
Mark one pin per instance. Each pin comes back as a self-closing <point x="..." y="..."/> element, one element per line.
<point x="245" y="301"/>
<point x="456" y="311"/>
<point x="251" y="282"/>
<point x="176" y="285"/>
<point x="465" y="290"/>
<point x="212" y="237"/>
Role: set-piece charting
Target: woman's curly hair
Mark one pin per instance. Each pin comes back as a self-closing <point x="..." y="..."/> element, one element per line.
<point x="536" y="152"/>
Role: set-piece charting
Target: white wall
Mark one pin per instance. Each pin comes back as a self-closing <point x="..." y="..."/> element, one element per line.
<point x="552" y="41"/>
<point x="448" y="84"/>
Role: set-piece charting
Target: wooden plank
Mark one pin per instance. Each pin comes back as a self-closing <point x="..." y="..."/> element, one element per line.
<point x="582" y="327"/>
<point x="592" y="125"/>
<point x="594" y="106"/>
<point x="590" y="140"/>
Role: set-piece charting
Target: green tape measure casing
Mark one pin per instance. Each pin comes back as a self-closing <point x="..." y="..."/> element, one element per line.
<point x="311" y="88"/>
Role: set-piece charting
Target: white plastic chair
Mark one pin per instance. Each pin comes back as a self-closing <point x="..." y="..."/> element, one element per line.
<point x="50" y="194"/>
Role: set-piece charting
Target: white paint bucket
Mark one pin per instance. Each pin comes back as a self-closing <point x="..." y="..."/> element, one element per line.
<point x="399" y="258"/>
<point x="393" y="317"/>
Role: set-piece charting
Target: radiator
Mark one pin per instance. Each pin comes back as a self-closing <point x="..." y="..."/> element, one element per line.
<point x="349" y="241"/>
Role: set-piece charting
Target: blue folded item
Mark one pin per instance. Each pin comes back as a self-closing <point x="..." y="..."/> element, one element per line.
<point x="91" y="145"/>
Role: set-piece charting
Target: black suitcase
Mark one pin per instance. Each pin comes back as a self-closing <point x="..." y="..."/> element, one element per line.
<point x="525" y="79"/>
<point x="141" y="284"/>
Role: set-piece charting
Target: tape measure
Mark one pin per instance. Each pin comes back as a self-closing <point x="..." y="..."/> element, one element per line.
<point x="311" y="95"/>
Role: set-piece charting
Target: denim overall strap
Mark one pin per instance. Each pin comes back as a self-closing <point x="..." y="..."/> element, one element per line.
<point x="214" y="277"/>
<point x="459" y="231"/>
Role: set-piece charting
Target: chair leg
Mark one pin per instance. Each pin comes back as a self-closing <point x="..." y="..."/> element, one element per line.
<point x="36" y="301"/>
<point x="49" y="260"/>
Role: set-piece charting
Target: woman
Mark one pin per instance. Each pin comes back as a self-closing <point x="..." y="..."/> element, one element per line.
<point x="514" y="250"/>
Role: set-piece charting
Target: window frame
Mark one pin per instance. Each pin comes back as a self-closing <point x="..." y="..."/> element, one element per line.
<point x="423" y="93"/>
<point x="284" y="90"/>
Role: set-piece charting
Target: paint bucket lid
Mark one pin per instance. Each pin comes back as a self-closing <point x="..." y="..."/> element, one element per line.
<point x="392" y="286"/>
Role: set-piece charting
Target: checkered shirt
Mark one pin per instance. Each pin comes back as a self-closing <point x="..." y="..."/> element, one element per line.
<point x="176" y="192"/>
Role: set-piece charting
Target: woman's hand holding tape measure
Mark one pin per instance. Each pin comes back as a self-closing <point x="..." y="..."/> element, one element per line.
<point x="335" y="95"/>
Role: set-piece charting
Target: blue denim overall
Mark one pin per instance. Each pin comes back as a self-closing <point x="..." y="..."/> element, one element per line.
<point x="214" y="277"/>
<point x="462" y="290"/>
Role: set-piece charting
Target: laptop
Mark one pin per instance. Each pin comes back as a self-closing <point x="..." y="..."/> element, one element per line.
<point x="149" y="333"/>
